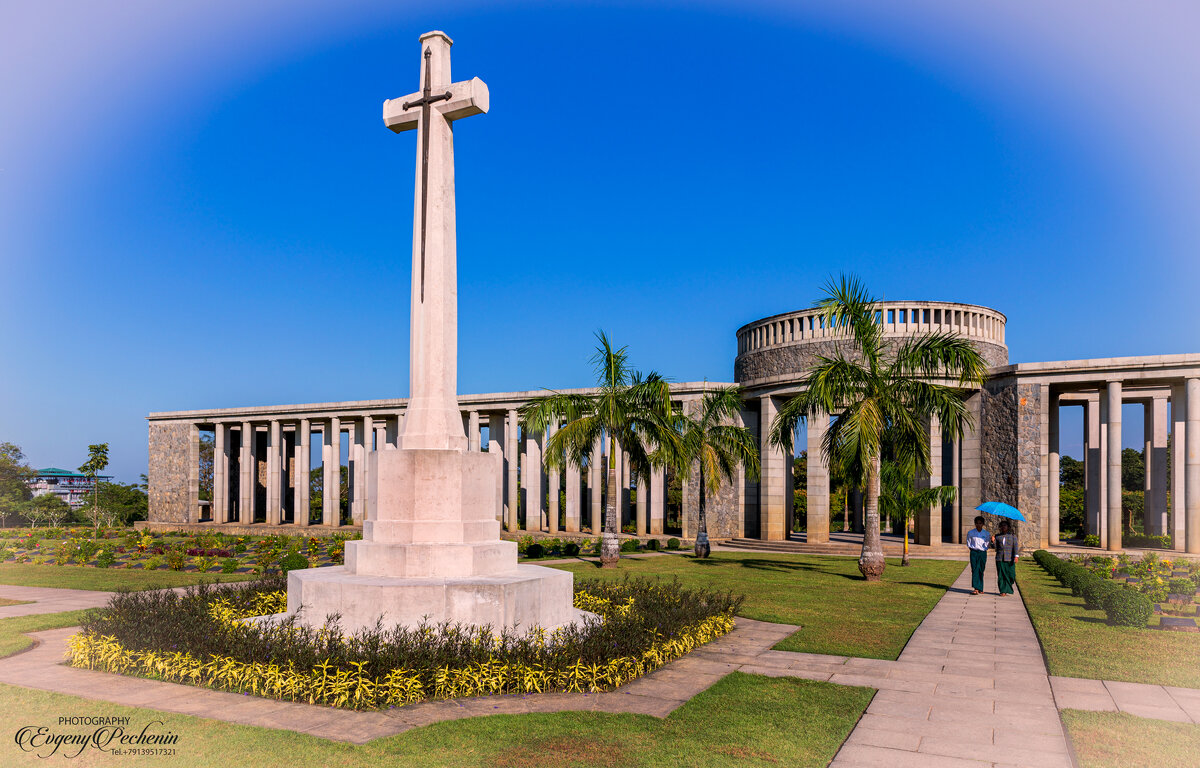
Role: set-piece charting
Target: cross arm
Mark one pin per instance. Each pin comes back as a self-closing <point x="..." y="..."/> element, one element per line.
<point x="469" y="97"/>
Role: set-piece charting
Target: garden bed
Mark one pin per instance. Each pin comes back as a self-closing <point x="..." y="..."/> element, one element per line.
<point x="202" y="638"/>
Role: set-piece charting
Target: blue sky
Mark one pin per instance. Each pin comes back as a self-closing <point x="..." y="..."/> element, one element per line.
<point x="200" y="207"/>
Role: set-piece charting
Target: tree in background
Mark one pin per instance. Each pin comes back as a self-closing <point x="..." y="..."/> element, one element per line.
<point x="1072" y="501"/>
<point x="900" y="499"/>
<point x="96" y="463"/>
<point x="14" y="478"/>
<point x="629" y="411"/>
<point x="48" y="507"/>
<point x="316" y="492"/>
<point x="877" y="389"/>
<point x="208" y="447"/>
<point x="124" y="503"/>
<point x="714" y="443"/>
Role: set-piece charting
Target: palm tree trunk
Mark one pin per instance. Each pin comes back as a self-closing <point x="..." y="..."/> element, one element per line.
<point x="904" y="560"/>
<point x="610" y="548"/>
<point x="870" y="562"/>
<point x="845" y="510"/>
<point x="702" y="547"/>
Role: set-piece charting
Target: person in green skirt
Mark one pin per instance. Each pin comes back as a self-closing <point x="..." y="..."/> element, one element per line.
<point x="979" y="539"/>
<point x="1006" y="558"/>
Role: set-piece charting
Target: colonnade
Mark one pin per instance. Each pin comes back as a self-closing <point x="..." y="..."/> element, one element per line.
<point x="260" y="473"/>
<point x="1171" y="424"/>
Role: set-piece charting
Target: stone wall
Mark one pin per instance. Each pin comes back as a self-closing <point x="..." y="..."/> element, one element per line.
<point x="168" y="471"/>
<point x="1010" y="452"/>
<point x="796" y="360"/>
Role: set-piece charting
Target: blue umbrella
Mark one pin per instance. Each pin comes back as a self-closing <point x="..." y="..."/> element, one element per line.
<point x="1000" y="509"/>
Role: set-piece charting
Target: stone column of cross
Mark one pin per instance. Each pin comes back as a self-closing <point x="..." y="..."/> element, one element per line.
<point x="433" y="420"/>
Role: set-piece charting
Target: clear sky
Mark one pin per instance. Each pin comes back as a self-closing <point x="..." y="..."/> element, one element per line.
<point x="201" y="208"/>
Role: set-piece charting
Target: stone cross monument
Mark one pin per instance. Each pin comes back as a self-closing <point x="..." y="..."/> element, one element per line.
<point x="431" y="548"/>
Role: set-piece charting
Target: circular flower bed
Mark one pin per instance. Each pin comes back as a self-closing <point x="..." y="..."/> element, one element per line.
<point x="202" y="637"/>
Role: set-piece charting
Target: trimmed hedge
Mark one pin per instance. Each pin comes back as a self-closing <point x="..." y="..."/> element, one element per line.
<point x="1123" y="606"/>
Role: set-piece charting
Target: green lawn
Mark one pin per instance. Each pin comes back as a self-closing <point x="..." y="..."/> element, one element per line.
<point x="104" y="579"/>
<point x="743" y="720"/>
<point x="1120" y="740"/>
<point x="1080" y="643"/>
<point x="837" y="611"/>
<point x="12" y="638"/>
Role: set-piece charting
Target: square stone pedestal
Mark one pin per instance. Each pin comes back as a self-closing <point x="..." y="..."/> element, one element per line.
<point x="431" y="552"/>
<point x="527" y="596"/>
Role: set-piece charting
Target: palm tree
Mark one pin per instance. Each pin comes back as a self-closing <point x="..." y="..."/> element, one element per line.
<point x="900" y="498"/>
<point x="879" y="388"/>
<point x="710" y="439"/>
<point x="629" y="411"/>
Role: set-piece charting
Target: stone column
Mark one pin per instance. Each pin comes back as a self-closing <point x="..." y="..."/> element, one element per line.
<point x="552" y="487"/>
<point x="658" y="500"/>
<point x="772" y="514"/>
<point x="929" y="523"/>
<point x="514" y="477"/>
<point x="531" y="474"/>
<point x="473" y="434"/>
<point x="1113" y="508"/>
<point x="274" y="473"/>
<point x="220" y="500"/>
<point x="574" y="498"/>
<point x="1156" y="467"/>
<point x="641" y="507"/>
<point x="956" y="516"/>
<point x="817" y="516"/>
<point x="193" y="473"/>
<point x="303" y="472"/>
<point x="358" y="457"/>
<point x="246" y="474"/>
<point x="497" y="443"/>
<point x="970" y="463"/>
<point x="595" y="487"/>
<point x="622" y="496"/>
<point x="1192" y="491"/>
<point x="1095" y="475"/>
<point x="1179" y="414"/>
<point x="331" y="456"/>
<point x="1053" y="474"/>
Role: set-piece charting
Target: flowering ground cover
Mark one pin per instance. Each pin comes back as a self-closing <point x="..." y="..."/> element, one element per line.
<point x="203" y="637"/>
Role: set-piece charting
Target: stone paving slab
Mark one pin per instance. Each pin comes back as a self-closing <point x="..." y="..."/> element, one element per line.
<point x="1158" y="702"/>
<point x="49" y="600"/>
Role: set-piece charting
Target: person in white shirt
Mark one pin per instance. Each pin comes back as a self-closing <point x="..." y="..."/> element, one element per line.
<point x="979" y="540"/>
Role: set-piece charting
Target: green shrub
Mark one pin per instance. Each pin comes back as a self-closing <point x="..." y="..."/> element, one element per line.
<point x="176" y="558"/>
<point x="571" y="548"/>
<point x="534" y="550"/>
<point x="1091" y="540"/>
<point x="1181" y="586"/>
<point x="630" y="545"/>
<point x="229" y="565"/>
<point x="1075" y="578"/>
<point x="204" y="563"/>
<point x="652" y="545"/>
<point x="1127" y="608"/>
<point x="5" y="553"/>
<point x="106" y="558"/>
<point x="672" y="543"/>
<point x="1096" y="591"/>
<point x="151" y="563"/>
<point x="293" y="561"/>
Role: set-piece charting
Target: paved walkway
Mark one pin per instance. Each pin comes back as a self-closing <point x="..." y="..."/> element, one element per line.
<point x="49" y="600"/>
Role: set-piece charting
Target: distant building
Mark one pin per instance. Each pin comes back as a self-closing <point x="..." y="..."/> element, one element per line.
<point x="71" y="487"/>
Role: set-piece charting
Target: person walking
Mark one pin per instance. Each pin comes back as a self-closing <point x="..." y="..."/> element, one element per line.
<point x="1006" y="558"/>
<point x="978" y="541"/>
